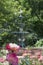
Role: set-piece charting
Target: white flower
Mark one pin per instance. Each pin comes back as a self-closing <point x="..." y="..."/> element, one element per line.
<point x="6" y="63"/>
<point x="4" y="57"/>
<point x="7" y="51"/>
<point x="13" y="45"/>
<point x="4" y="51"/>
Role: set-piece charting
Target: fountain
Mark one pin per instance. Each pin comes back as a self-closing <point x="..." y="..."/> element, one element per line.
<point x="21" y="34"/>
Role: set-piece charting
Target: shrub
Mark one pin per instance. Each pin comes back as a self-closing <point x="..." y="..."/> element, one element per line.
<point x="39" y="43"/>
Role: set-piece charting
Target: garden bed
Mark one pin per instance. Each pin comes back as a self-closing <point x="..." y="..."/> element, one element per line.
<point x="26" y="56"/>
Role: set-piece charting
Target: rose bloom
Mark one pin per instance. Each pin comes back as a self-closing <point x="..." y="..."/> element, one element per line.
<point x="13" y="47"/>
<point x="38" y="54"/>
<point x="33" y="57"/>
<point x="41" y="58"/>
<point x="2" y="60"/>
<point x="12" y="58"/>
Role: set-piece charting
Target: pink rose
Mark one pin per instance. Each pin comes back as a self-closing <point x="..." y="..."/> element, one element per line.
<point x="13" y="47"/>
<point x="2" y="60"/>
<point x="12" y="58"/>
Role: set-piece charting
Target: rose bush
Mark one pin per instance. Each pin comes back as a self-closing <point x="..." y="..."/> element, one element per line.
<point x="26" y="59"/>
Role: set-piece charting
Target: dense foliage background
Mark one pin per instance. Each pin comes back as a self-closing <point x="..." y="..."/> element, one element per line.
<point x="32" y="17"/>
